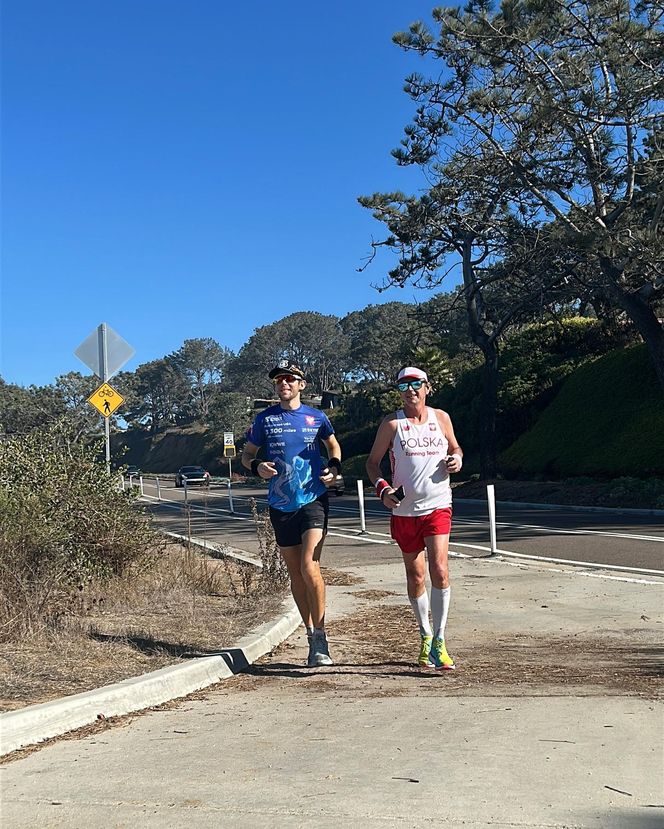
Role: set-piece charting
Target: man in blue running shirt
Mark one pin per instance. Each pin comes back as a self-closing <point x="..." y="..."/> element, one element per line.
<point x="289" y="434"/>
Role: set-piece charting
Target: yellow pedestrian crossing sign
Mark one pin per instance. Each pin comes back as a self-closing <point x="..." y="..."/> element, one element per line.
<point x="106" y="400"/>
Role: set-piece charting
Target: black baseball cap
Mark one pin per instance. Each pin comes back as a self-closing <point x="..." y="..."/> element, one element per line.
<point x="286" y="367"/>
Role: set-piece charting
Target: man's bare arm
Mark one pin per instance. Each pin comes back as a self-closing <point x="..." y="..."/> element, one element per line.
<point x="333" y="451"/>
<point x="382" y="442"/>
<point x="249" y="452"/>
<point x="455" y="452"/>
<point x="265" y="469"/>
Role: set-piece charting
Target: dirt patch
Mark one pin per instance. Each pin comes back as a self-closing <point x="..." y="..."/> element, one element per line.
<point x="189" y="606"/>
<point x="338" y="578"/>
<point x="375" y="654"/>
<point x="373" y="595"/>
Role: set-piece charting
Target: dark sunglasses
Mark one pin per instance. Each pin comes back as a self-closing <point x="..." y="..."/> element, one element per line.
<point x="289" y="378"/>
<point x="416" y="385"/>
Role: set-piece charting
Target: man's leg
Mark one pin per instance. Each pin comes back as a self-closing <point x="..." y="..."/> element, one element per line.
<point x="419" y="601"/>
<point x="416" y="586"/>
<point x="312" y="546"/>
<point x="293" y="558"/>
<point x="437" y="550"/>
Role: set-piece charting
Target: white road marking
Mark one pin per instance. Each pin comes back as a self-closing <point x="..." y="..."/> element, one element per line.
<point x="358" y="536"/>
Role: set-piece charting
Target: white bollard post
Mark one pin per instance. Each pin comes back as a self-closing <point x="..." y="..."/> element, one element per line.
<point x="491" y="499"/>
<point x="158" y="490"/>
<point x="230" y="497"/>
<point x="122" y="482"/>
<point x="140" y="483"/>
<point x="360" y="498"/>
<point x="184" y="484"/>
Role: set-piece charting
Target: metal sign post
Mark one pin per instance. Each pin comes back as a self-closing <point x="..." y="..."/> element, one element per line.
<point x="229" y="452"/>
<point x="105" y="352"/>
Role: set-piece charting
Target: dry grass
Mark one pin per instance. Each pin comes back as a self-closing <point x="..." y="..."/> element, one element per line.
<point x="187" y="605"/>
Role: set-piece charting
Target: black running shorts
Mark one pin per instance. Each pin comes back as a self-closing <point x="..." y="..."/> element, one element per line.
<point x="289" y="526"/>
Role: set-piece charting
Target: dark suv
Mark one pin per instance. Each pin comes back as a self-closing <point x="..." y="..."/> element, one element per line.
<point x="193" y="475"/>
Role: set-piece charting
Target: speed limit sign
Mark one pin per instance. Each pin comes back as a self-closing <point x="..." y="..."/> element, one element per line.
<point x="229" y="445"/>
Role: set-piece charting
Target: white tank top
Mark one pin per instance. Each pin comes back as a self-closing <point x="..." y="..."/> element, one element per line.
<point x="418" y="465"/>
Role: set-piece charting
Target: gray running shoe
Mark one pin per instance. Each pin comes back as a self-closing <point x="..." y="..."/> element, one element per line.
<point x="319" y="652"/>
<point x="310" y="656"/>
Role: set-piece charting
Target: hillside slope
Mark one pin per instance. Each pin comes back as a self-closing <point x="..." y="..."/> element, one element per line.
<point x="168" y="450"/>
<point x="607" y="420"/>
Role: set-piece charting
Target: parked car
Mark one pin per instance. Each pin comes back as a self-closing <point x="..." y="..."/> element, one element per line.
<point x="133" y="471"/>
<point x="194" y="475"/>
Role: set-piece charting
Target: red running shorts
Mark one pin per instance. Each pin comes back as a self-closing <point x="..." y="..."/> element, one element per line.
<point x="409" y="531"/>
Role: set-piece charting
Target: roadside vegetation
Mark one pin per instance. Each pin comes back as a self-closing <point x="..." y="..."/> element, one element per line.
<point x="65" y="527"/>
<point x="606" y="421"/>
<point x="91" y="592"/>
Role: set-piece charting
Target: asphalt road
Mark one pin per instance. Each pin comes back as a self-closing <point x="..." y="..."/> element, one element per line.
<point x="620" y="540"/>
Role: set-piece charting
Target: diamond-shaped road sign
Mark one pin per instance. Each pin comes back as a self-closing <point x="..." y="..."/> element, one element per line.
<point x="105" y="399"/>
<point x="104" y="351"/>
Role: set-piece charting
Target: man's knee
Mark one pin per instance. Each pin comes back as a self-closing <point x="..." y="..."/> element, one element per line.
<point x="310" y="568"/>
<point x="416" y="579"/>
<point x="440" y="577"/>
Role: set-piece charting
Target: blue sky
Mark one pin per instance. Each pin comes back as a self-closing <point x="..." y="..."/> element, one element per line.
<point x="191" y="169"/>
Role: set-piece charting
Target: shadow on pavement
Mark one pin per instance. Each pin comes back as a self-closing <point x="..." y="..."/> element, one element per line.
<point x="152" y="646"/>
<point x="299" y="671"/>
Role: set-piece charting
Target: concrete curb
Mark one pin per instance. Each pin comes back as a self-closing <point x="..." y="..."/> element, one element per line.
<point x="222" y="549"/>
<point x="570" y="507"/>
<point x="36" y="723"/>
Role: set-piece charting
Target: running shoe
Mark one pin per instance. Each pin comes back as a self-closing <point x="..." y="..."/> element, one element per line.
<point x="310" y="655"/>
<point x="425" y="648"/>
<point x="439" y="658"/>
<point x="319" y="652"/>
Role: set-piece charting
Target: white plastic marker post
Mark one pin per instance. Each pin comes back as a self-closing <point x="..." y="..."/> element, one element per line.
<point x="158" y="490"/>
<point x="360" y="499"/>
<point x="140" y="482"/>
<point x="230" y="494"/>
<point x="491" y="498"/>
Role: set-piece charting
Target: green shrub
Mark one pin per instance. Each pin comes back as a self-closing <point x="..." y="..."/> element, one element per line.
<point x="606" y="421"/>
<point x="64" y="522"/>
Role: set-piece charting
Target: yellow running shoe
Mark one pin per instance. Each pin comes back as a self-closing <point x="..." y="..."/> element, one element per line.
<point x="425" y="648"/>
<point x="439" y="658"/>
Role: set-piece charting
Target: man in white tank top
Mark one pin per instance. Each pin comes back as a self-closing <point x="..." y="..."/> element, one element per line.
<point x="423" y="451"/>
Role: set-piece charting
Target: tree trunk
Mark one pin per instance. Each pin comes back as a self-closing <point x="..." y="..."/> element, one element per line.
<point x="644" y="319"/>
<point x="489" y="348"/>
<point x="488" y="461"/>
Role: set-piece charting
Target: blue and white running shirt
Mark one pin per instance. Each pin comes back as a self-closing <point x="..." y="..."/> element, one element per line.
<point x="290" y="439"/>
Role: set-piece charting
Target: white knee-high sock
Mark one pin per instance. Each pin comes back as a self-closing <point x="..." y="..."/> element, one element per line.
<point x="440" y="605"/>
<point x="420" y="607"/>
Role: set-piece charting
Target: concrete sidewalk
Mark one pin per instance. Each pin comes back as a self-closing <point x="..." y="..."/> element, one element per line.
<point x="551" y="720"/>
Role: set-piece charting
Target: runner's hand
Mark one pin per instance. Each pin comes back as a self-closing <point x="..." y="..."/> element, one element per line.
<point x="266" y="469"/>
<point x="390" y="499"/>
<point x="453" y="463"/>
<point x="328" y="476"/>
